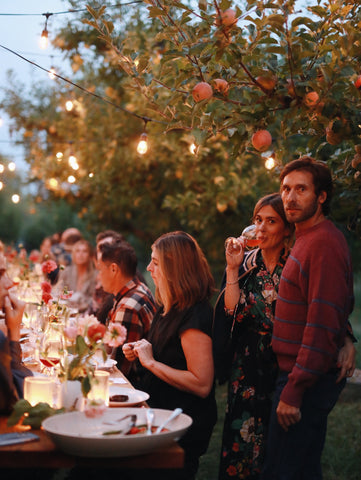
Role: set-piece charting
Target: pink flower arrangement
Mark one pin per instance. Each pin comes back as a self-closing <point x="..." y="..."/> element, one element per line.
<point x="49" y="266"/>
<point x="86" y="337"/>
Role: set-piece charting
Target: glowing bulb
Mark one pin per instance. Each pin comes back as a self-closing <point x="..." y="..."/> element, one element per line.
<point x="73" y="162"/>
<point x="15" y="198"/>
<point x="59" y="156"/>
<point x="143" y="144"/>
<point x="44" y="39"/>
<point x="1" y="185"/>
<point x="53" y="183"/>
<point x="1" y="122"/>
<point x="71" y="179"/>
<point x="91" y="175"/>
<point x="12" y="166"/>
<point x="269" y="163"/>
<point x="193" y="148"/>
<point x="2" y="168"/>
<point x="51" y="73"/>
<point x="69" y="105"/>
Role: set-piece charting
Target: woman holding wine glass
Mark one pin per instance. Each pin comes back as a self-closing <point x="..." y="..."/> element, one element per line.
<point x="242" y="337"/>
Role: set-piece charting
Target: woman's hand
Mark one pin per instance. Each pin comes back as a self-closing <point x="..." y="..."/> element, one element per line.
<point x="144" y="351"/>
<point x="129" y="353"/>
<point x="14" y="309"/>
<point x="235" y="249"/>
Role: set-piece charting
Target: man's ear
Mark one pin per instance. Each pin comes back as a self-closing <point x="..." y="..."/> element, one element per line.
<point x="322" y="197"/>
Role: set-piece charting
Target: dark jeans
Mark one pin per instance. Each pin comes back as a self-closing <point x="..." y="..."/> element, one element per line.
<point x="296" y="454"/>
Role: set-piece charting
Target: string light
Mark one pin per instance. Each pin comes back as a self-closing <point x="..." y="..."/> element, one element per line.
<point x="52" y="73"/>
<point x="73" y="162"/>
<point x="59" y="156"/>
<point x="193" y="148"/>
<point x="15" y="198"/>
<point x="71" y="179"/>
<point x="1" y="185"/>
<point x="2" y="168"/>
<point x="44" y="39"/>
<point x="12" y="166"/>
<point x="270" y="162"/>
<point x="142" y="147"/>
<point x="69" y="105"/>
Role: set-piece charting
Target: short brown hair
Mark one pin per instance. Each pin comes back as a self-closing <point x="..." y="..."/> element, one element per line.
<point x="121" y="253"/>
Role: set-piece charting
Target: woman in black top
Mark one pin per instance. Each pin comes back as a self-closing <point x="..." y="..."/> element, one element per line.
<point x="177" y="358"/>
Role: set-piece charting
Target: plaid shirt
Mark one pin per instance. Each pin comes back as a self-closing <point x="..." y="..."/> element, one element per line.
<point x="134" y="308"/>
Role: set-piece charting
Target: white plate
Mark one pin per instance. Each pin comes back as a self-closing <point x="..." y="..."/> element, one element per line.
<point x="110" y="363"/>
<point x="134" y="396"/>
<point x="76" y="434"/>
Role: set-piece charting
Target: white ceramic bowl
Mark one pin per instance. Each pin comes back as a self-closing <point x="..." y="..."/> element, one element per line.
<point x="76" y="434"/>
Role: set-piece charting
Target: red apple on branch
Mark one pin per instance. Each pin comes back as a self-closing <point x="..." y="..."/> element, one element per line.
<point x="202" y="91"/>
<point x="311" y="99"/>
<point x="221" y="86"/>
<point x="261" y="140"/>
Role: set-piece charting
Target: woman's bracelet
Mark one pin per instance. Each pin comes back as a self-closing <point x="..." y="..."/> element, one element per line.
<point x="232" y="283"/>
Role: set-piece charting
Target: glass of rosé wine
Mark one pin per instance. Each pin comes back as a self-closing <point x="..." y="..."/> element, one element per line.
<point x="249" y="234"/>
<point x="52" y="347"/>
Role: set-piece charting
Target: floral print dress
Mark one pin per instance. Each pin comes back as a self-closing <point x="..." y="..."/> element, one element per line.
<point x="253" y="375"/>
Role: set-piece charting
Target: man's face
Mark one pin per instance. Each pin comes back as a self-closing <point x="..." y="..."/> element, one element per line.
<point x="300" y="201"/>
<point x="106" y="274"/>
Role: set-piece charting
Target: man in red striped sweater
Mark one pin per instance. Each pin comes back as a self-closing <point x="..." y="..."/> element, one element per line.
<point x="314" y="302"/>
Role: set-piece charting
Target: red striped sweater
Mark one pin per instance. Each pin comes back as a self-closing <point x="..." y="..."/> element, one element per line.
<point x="314" y="302"/>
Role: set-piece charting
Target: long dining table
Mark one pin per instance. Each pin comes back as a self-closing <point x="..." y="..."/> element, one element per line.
<point x="45" y="454"/>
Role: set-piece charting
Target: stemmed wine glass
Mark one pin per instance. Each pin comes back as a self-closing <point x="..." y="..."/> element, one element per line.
<point x="52" y="347"/>
<point x="250" y="236"/>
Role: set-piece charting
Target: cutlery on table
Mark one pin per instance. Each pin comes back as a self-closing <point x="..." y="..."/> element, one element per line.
<point x="171" y="417"/>
<point x="132" y="420"/>
<point x="149" y="413"/>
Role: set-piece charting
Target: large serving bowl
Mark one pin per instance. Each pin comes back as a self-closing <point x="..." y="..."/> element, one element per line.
<point x="76" y="434"/>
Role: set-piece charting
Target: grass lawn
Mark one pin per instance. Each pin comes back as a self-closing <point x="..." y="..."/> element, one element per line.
<point x="342" y="454"/>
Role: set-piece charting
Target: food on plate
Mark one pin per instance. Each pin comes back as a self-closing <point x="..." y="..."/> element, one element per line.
<point x="119" y="398"/>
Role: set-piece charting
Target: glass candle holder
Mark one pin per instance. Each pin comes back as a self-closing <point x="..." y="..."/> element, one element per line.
<point x="39" y="389"/>
<point x="100" y="387"/>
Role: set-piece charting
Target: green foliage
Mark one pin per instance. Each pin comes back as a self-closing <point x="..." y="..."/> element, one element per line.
<point x="32" y="416"/>
<point x="144" y="61"/>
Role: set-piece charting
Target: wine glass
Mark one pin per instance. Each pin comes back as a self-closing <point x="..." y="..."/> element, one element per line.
<point x="249" y="234"/>
<point x="52" y="347"/>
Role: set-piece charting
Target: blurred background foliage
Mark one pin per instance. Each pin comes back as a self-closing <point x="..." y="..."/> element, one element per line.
<point x="144" y="59"/>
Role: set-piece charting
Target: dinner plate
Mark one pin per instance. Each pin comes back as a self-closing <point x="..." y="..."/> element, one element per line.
<point x="134" y="396"/>
<point x="78" y="435"/>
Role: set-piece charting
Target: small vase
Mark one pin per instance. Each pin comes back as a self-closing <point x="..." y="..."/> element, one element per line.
<point x="72" y="396"/>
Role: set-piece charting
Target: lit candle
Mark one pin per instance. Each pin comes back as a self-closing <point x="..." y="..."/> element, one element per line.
<point x="39" y="389"/>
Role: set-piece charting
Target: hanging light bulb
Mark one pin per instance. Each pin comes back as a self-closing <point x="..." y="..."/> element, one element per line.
<point x="73" y="162"/>
<point x="71" y="179"/>
<point x="193" y="148"/>
<point x="44" y="39"/>
<point x="143" y="144"/>
<point x="15" y="198"/>
<point x="1" y="185"/>
<point x="51" y="73"/>
<point x="69" y="105"/>
<point x="12" y="166"/>
<point x="269" y="163"/>
<point x="2" y="168"/>
<point x="59" y="156"/>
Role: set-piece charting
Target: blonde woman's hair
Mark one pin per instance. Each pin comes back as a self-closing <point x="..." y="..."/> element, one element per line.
<point x="186" y="272"/>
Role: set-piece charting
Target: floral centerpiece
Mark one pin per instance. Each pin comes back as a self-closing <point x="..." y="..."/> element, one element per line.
<point x="86" y="337"/>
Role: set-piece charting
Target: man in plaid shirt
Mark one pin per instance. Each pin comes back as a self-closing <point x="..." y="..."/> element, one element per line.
<point x="133" y="305"/>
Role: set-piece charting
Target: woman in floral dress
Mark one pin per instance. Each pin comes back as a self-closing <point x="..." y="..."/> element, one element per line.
<point x="247" y="307"/>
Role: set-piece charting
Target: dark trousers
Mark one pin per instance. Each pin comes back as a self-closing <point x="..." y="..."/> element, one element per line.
<point x="296" y="454"/>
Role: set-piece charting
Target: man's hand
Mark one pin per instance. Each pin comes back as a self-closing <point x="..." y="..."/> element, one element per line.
<point x="346" y="359"/>
<point x="287" y="415"/>
<point x="14" y="309"/>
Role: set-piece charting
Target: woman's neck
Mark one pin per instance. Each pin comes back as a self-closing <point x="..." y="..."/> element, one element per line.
<point x="271" y="257"/>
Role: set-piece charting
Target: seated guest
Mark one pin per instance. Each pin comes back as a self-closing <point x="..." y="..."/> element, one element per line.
<point x="61" y="251"/>
<point x="12" y="371"/>
<point x="177" y="357"/>
<point x="133" y="304"/>
<point x="80" y="276"/>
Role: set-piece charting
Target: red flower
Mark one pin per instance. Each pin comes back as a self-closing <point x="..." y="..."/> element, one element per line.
<point x="34" y="256"/>
<point x="45" y="287"/>
<point x="96" y="332"/>
<point x="46" y="297"/>
<point x="49" y="266"/>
